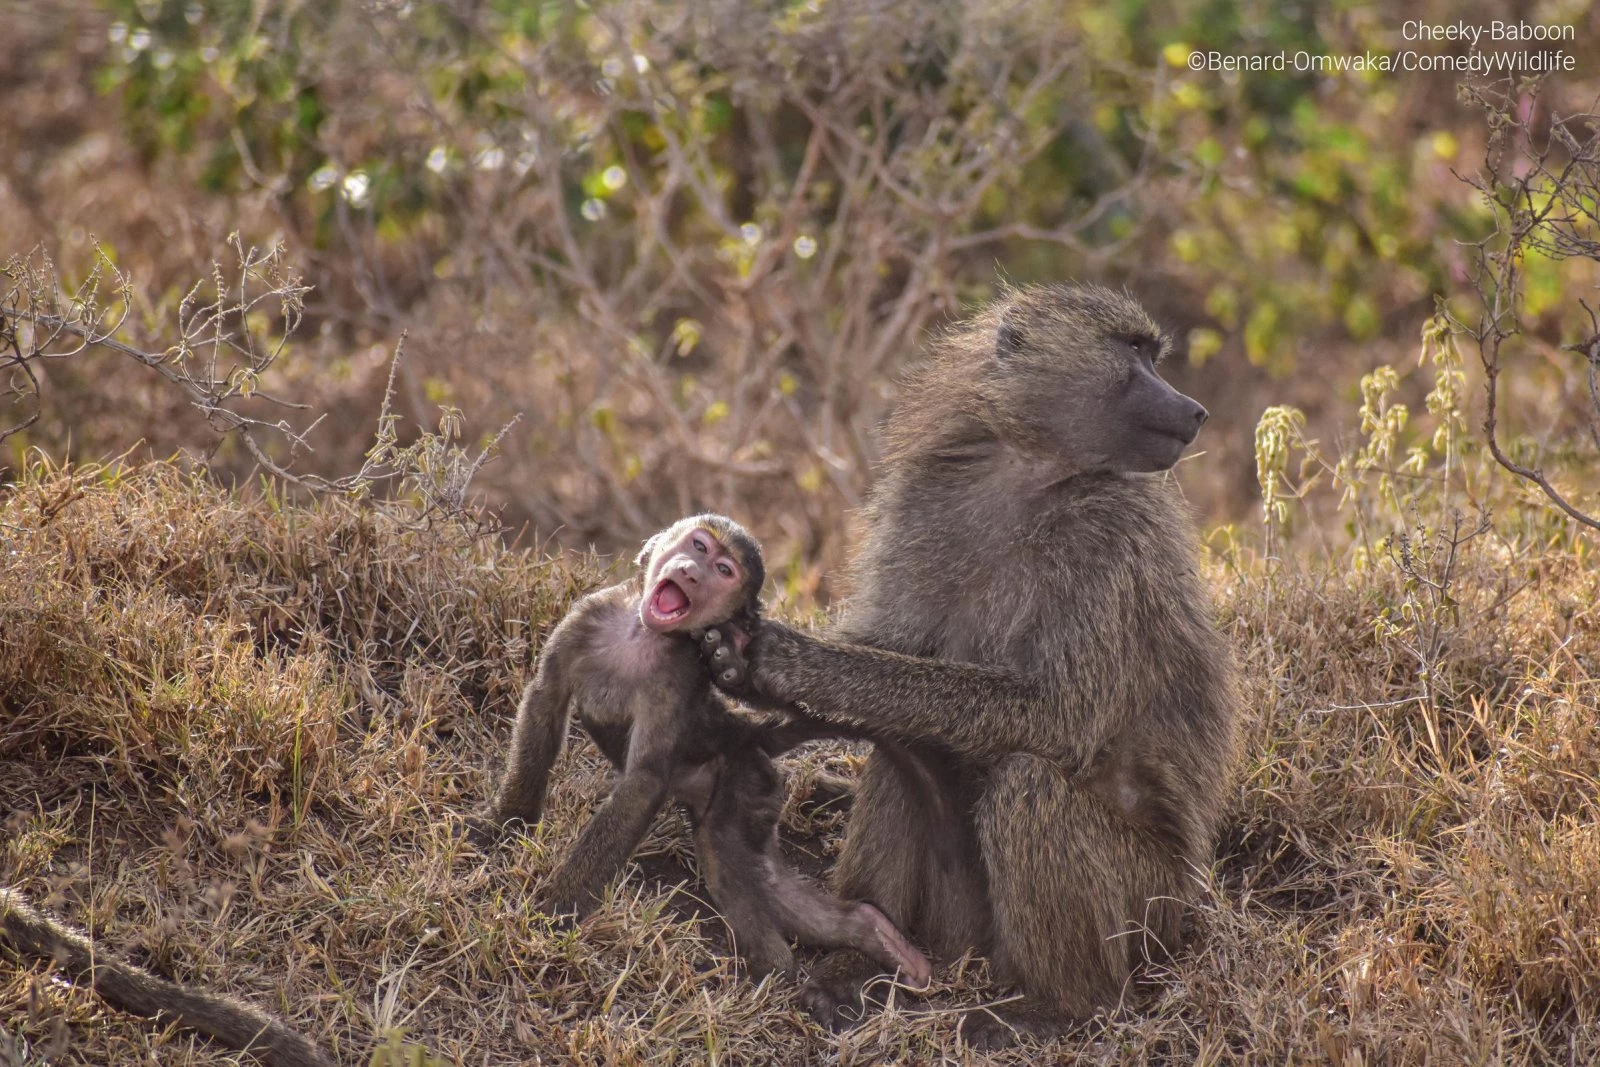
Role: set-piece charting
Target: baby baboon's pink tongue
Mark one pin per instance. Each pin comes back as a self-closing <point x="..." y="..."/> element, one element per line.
<point x="670" y="599"/>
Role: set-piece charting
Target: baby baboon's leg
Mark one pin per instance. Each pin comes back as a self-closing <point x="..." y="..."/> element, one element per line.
<point x="536" y="741"/>
<point x="740" y="882"/>
<point x="1112" y="899"/>
<point x="607" y="842"/>
<point x="818" y="918"/>
<point x="732" y="833"/>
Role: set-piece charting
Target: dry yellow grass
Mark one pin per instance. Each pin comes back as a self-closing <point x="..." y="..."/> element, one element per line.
<point x="234" y="733"/>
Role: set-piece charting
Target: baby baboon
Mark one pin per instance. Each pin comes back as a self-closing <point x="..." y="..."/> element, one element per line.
<point x="232" y="1022"/>
<point x="1032" y="650"/>
<point x="624" y="662"/>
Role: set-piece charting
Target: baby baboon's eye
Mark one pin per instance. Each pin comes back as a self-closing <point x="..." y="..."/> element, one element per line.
<point x="725" y="570"/>
<point x="699" y="546"/>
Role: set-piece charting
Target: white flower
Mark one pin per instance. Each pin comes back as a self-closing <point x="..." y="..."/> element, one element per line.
<point x="356" y="188"/>
<point x="323" y="178"/>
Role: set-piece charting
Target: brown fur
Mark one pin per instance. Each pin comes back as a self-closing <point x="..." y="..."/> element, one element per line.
<point x="1032" y="649"/>
<point x="232" y="1022"/>
<point x="646" y="699"/>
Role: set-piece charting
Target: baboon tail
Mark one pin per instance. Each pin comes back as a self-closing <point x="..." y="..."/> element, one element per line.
<point x="232" y="1022"/>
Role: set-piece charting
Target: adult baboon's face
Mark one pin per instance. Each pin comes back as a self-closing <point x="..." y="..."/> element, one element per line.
<point x="1074" y="376"/>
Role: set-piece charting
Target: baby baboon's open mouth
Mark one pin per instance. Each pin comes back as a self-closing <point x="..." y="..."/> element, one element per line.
<point x="668" y="602"/>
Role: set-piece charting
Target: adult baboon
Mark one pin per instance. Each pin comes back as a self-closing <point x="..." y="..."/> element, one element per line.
<point x="1031" y="648"/>
<point x="230" y="1021"/>
<point x="624" y="663"/>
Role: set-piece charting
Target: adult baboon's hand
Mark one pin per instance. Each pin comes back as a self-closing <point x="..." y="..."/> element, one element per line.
<point x="757" y="664"/>
<point x="727" y="650"/>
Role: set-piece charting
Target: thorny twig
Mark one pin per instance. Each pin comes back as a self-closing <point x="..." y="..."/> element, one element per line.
<point x="222" y="353"/>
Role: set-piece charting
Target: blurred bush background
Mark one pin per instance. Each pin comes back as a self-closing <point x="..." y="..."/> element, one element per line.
<point x="694" y="244"/>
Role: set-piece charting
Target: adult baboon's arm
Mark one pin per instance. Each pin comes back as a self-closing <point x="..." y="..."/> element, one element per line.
<point x="980" y="712"/>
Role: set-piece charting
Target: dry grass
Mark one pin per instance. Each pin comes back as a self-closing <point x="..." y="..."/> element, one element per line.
<point x="233" y="736"/>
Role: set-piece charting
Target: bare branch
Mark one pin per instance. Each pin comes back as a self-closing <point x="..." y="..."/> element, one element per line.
<point x="1542" y="191"/>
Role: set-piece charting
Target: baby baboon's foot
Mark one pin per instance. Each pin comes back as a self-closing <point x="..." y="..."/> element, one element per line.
<point x="478" y="829"/>
<point x="564" y="913"/>
<point x="565" y="901"/>
<point x="894" y="950"/>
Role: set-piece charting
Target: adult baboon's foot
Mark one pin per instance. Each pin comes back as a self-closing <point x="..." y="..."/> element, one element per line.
<point x="992" y="1029"/>
<point x="834" y="996"/>
<point x="478" y="829"/>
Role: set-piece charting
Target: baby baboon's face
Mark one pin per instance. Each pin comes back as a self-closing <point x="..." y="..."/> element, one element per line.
<point x="693" y="579"/>
<point x="1074" y="374"/>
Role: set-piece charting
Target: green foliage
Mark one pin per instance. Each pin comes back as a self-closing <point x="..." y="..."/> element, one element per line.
<point x="223" y="80"/>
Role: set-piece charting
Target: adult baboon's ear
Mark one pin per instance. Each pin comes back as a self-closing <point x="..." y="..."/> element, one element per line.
<point x="1009" y="338"/>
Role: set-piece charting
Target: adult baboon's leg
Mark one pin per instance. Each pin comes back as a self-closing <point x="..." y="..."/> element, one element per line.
<point x="910" y="851"/>
<point x="1114" y="899"/>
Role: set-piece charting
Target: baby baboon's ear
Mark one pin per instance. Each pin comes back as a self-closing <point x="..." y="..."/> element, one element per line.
<point x="644" y="553"/>
<point x="1009" y="338"/>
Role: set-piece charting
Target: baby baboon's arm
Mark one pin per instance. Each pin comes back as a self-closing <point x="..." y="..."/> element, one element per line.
<point x="981" y="712"/>
<point x="540" y="731"/>
<point x="616" y="829"/>
<point x="536" y="742"/>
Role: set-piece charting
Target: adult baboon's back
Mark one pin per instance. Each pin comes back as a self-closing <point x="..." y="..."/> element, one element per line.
<point x="1033" y="651"/>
